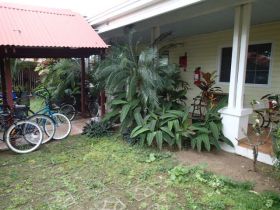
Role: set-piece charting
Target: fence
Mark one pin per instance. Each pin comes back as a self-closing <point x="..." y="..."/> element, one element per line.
<point x="26" y="78"/>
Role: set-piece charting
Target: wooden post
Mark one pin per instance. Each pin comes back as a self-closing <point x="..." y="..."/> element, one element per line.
<point x="7" y="83"/>
<point x="83" y="89"/>
<point x="3" y="84"/>
<point x="102" y="93"/>
<point x="102" y="103"/>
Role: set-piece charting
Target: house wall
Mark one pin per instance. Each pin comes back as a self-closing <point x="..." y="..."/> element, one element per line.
<point x="205" y="50"/>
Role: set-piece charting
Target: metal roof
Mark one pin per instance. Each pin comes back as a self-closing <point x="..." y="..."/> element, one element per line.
<point x="29" y="26"/>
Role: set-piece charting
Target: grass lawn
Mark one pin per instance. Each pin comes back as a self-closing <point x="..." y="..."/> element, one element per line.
<point x="82" y="173"/>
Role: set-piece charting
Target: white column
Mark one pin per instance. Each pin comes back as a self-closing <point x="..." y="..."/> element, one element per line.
<point x="234" y="117"/>
<point x="155" y="32"/>
<point x="235" y="58"/>
<point x="246" y="20"/>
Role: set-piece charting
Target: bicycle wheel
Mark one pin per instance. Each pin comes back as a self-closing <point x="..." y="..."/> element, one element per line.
<point x="24" y="137"/>
<point x="47" y="125"/>
<point x="93" y="109"/>
<point x="68" y="110"/>
<point x="63" y="126"/>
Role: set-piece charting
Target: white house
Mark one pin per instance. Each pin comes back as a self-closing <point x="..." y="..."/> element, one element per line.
<point x="217" y="35"/>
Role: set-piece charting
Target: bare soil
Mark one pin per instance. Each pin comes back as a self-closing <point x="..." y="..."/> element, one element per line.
<point x="237" y="167"/>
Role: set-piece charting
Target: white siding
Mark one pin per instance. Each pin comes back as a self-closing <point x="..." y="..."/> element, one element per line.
<point x="204" y="50"/>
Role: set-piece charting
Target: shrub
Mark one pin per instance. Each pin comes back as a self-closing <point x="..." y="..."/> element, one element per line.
<point x="97" y="129"/>
<point x="169" y="126"/>
<point x="208" y="133"/>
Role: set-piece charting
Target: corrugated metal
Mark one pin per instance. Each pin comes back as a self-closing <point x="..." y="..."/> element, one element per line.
<point x="30" y="26"/>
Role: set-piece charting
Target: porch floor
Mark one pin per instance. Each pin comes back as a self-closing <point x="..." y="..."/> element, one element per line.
<point x="266" y="148"/>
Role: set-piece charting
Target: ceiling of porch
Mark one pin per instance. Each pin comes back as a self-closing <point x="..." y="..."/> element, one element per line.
<point x="197" y="20"/>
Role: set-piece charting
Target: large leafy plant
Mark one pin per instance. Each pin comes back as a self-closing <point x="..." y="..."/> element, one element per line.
<point x="138" y="80"/>
<point x="137" y="77"/>
<point x="60" y="76"/>
<point x="173" y="94"/>
<point x="123" y="111"/>
<point x="97" y="129"/>
<point x="208" y="133"/>
<point x="169" y="127"/>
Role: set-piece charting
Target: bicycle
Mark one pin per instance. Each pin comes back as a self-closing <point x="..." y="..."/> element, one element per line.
<point x="62" y="123"/>
<point x="69" y="109"/>
<point x="22" y="136"/>
<point x="43" y="121"/>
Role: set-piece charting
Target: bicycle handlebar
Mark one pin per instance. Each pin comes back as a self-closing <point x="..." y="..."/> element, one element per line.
<point x="42" y="95"/>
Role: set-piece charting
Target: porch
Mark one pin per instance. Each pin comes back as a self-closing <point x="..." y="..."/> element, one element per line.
<point x="206" y="28"/>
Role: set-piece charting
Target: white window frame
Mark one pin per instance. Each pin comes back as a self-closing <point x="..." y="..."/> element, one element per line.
<point x="219" y="62"/>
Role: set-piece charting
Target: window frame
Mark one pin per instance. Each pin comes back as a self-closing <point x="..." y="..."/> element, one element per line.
<point x="219" y="62"/>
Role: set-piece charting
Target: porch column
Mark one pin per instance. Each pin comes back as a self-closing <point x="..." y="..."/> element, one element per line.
<point x="235" y="117"/>
<point x="7" y="83"/>
<point x="155" y="32"/>
<point x="83" y="93"/>
<point x="235" y="58"/>
<point x="245" y="29"/>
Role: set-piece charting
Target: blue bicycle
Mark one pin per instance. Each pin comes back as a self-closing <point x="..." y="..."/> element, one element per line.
<point x="61" y="123"/>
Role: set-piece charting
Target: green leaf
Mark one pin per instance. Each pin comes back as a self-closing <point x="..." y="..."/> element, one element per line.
<point x="193" y="143"/>
<point x="138" y="132"/>
<point x="206" y="141"/>
<point x="153" y="115"/>
<point x="226" y="140"/>
<point x="185" y="117"/>
<point x="214" y="129"/>
<point x="170" y="124"/>
<point x="201" y="129"/>
<point x="198" y="143"/>
<point x="168" y="139"/>
<point x="168" y="115"/>
<point x="110" y="115"/>
<point x="118" y="102"/>
<point x="178" y="141"/>
<point x="152" y="125"/>
<point x="166" y="130"/>
<point x="176" y="112"/>
<point x="134" y="103"/>
<point x="214" y="142"/>
<point x="135" y="129"/>
<point x="138" y="118"/>
<point x="124" y="112"/>
<point x="177" y="125"/>
<point x="159" y="139"/>
<point x="132" y="88"/>
<point x="150" y="137"/>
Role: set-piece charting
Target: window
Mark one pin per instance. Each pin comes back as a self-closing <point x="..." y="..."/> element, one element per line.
<point x="258" y="63"/>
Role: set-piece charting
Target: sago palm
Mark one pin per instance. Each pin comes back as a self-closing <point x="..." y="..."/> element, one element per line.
<point x="138" y="76"/>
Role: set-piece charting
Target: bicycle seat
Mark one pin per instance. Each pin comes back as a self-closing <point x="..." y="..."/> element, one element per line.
<point x="55" y="107"/>
<point x="20" y="106"/>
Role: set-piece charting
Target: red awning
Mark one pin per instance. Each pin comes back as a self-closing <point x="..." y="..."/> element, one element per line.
<point x="28" y="26"/>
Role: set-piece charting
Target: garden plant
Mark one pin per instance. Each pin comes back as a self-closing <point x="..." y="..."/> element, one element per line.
<point x="148" y="98"/>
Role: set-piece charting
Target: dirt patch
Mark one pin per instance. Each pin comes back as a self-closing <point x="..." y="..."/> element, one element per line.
<point x="234" y="166"/>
